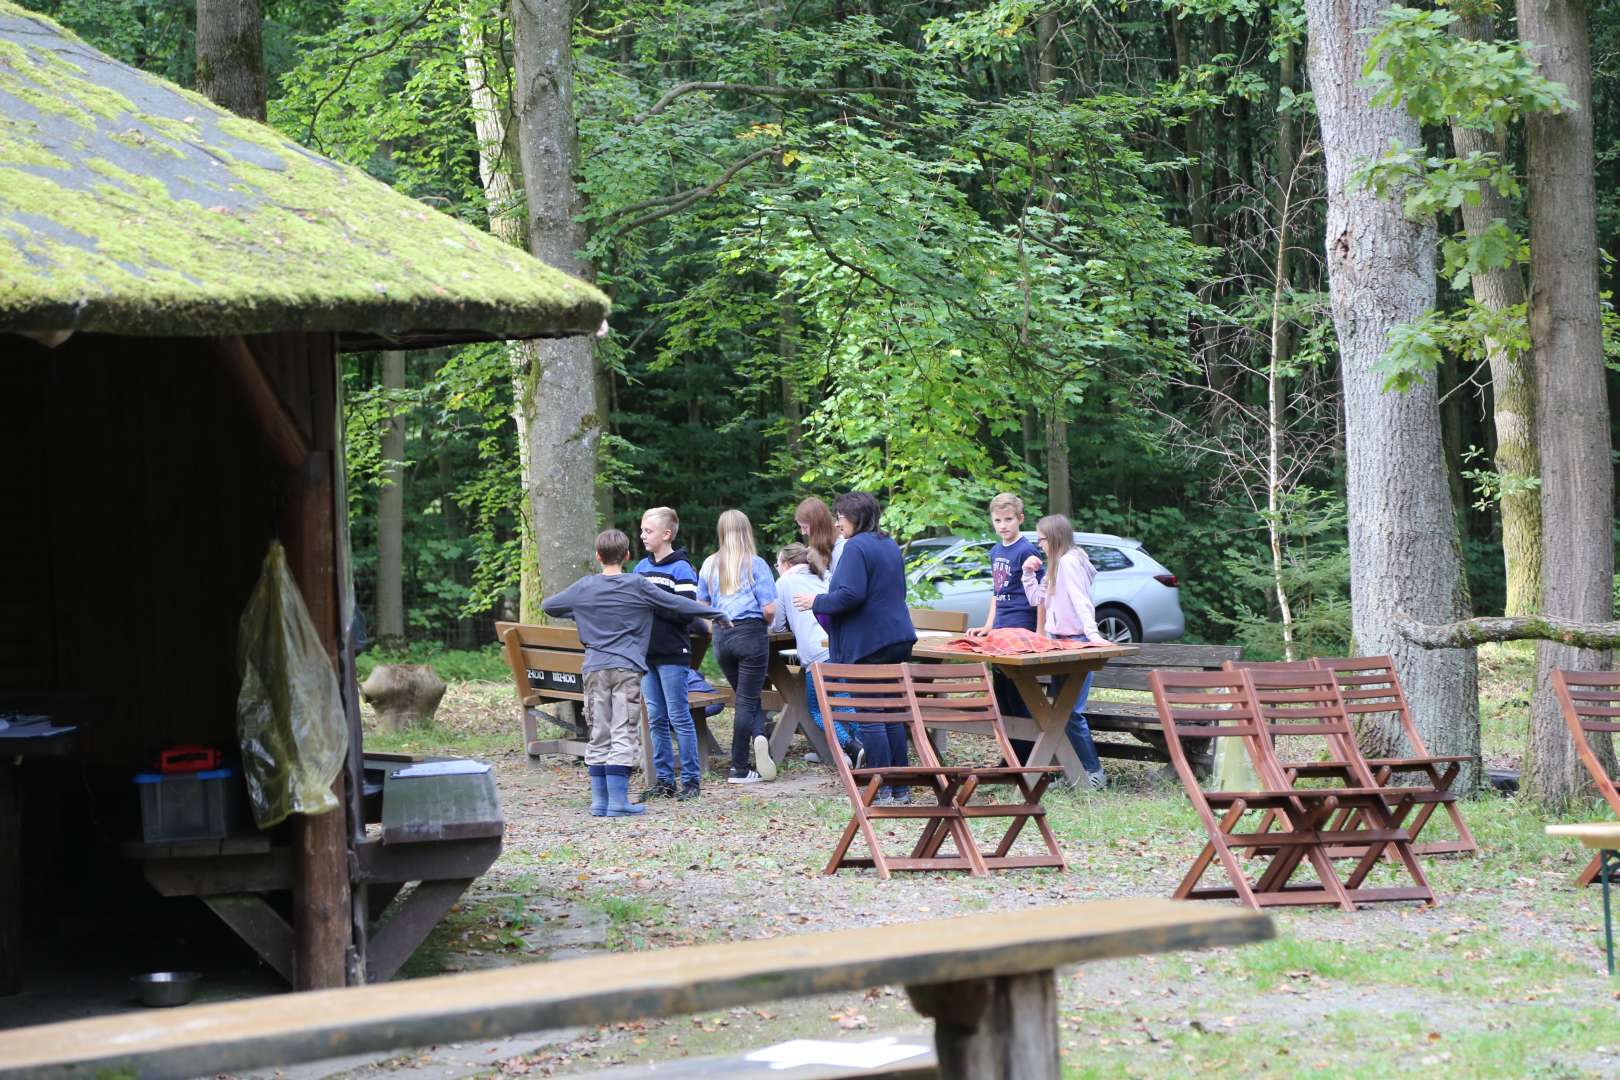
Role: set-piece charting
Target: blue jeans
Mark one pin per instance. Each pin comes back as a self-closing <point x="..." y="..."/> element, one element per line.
<point x="663" y="688"/>
<point x="840" y="730"/>
<point x="1079" y="732"/>
<point x="886" y="744"/>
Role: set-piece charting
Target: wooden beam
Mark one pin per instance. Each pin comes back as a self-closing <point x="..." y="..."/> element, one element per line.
<point x="205" y="1040"/>
<point x="409" y="924"/>
<point x="323" y="915"/>
<point x="281" y="431"/>
<point x="258" y="924"/>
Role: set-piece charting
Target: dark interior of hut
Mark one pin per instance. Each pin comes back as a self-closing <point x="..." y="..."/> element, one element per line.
<point x="139" y="502"/>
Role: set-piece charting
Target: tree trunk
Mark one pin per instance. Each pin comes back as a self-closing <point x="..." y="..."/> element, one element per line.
<point x="1513" y="386"/>
<point x="560" y="412"/>
<point x="1577" y="471"/>
<point x="230" y="55"/>
<point x="391" y="512"/>
<point x="1404" y="550"/>
<point x="404" y="695"/>
<point x="497" y="165"/>
<point x="1058" y="496"/>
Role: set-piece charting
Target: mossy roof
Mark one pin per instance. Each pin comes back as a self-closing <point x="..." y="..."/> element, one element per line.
<point x="131" y="206"/>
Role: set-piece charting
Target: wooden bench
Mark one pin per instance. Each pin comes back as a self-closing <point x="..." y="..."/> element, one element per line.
<point x="546" y="663"/>
<point x="988" y="980"/>
<point x="440" y="832"/>
<point x="1141" y="721"/>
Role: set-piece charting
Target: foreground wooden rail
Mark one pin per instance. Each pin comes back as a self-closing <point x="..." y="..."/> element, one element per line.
<point x="987" y="979"/>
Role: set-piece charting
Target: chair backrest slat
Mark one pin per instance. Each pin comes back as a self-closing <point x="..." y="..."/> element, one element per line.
<point x="1577" y="693"/>
<point x="1370" y="685"/>
<point x="1209" y="705"/>
<point x="1305" y="703"/>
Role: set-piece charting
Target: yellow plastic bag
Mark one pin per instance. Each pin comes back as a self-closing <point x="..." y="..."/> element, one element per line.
<point x="289" y="712"/>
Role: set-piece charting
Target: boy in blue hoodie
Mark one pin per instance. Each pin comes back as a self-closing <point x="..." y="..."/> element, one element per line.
<point x="669" y="658"/>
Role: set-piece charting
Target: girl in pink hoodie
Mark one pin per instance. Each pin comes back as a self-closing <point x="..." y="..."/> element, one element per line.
<point x="1069" y="615"/>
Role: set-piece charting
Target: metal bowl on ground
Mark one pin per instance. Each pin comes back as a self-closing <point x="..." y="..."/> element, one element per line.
<point x="162" y="989"/>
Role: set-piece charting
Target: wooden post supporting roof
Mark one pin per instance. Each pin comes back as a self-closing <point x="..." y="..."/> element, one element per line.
<point x="322" y="926"/>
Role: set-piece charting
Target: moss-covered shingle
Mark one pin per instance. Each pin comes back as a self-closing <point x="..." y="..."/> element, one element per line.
<point x="131" y="206"/>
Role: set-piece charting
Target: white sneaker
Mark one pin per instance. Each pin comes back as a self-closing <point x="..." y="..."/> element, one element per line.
<point x="1097" y="780"/>
<point x="750" y="777"/>
<point x="762" y="758"/>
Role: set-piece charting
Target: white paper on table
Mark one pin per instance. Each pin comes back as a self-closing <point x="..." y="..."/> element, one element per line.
<point x="442" y="768"/>
<point x="870" y="1054"/>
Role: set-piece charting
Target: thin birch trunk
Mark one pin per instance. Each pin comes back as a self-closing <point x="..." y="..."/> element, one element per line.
<point x="1274" y="423"/>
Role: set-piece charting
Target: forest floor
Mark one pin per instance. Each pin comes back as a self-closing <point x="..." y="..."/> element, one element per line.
<point x="1504" y="977"/>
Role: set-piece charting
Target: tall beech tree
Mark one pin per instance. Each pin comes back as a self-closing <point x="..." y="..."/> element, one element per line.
<point x="1404" y="550"/>
<point x="558" y="406"/>
<point x="1577" y="469"/>
<point x="230" y="55"/>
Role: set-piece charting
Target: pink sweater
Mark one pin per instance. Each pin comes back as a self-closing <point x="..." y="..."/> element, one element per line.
<point x="1069" y="611"/>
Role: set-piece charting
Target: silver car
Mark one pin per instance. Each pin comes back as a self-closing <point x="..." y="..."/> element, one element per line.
<point x="1135" y="596"/>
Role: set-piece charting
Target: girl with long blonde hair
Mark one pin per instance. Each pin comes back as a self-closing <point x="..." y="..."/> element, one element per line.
<point x="1070" y="616"/>
<point x="738" y="582"/>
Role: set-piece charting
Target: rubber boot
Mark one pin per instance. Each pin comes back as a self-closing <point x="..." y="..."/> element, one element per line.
<point x="618" y="789"/>
<point x="599" y="791"/>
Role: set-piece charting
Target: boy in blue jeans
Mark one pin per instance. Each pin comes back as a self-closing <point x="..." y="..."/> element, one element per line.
<point x="1008" y="605"/>
<point x="669" y="658"/>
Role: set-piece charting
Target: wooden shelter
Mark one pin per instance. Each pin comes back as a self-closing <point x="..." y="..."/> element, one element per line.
<point x="176" y="284"/>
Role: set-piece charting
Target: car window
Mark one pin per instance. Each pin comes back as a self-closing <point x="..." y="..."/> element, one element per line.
<point x="1107" y="558"/>
<point x="968" y="564"/>
<point x="919" y="553"/>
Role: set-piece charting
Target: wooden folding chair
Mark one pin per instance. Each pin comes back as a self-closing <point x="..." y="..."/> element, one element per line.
<point x="1309" y="734"/>
<point x="959" y="698"/>
<point x="1196" y="705"/>
<point x="880" y="694"/>
<point x="1590" y="701"/>
<point x="1370" y="685"/>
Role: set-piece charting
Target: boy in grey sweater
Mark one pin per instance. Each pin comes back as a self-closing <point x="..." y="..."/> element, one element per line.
<point x="614" y="613"/>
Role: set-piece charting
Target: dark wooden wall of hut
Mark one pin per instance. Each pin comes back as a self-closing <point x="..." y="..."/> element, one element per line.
<point x="140" y="503"/>
<point x="137" y="500"/>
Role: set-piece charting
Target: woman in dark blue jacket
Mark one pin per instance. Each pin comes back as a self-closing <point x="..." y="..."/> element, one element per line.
<point x="868" y="621"/>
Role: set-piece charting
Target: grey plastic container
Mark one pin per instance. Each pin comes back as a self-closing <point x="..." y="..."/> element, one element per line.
<point x="189" y="806"/>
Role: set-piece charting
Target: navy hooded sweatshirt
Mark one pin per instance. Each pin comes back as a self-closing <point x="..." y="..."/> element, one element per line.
<point x="671" y="637"/>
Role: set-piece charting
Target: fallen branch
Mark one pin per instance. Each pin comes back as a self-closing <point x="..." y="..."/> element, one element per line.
<point x="1470" y="632"/>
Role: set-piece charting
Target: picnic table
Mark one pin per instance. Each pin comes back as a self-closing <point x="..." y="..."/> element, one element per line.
<point x="784" y="675"/>
<point x="988" y="980"/>
<point x="1049" y="683"/>
<point x="1604" y="838"/>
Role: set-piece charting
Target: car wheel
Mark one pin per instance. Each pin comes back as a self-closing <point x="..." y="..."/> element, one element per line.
<point x="1118" y="625"/>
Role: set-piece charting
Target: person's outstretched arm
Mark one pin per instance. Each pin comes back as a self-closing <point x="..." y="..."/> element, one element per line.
<point x="561" y="606"/>
<point x="666" y="601"/>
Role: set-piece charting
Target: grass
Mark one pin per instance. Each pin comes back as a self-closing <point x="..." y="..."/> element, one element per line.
<point x="1502" y="979"/>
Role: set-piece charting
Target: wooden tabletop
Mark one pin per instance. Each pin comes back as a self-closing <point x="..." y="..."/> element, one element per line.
<point x="932" y="651"/>
<point x="1604" y="835"/>
<point x="204" y="1040"/>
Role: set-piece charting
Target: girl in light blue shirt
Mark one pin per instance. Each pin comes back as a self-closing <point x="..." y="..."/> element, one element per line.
<point x="739" y="583"/>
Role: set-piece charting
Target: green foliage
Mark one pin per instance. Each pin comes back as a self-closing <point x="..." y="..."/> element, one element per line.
<point x="487" y="664"/>
<point x="1315" y="576"/>
<point x="1416" y="61"/>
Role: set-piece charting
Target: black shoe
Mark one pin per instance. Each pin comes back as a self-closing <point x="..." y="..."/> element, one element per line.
<point x="664" y="789"/>
<point x="689" y="791"/>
